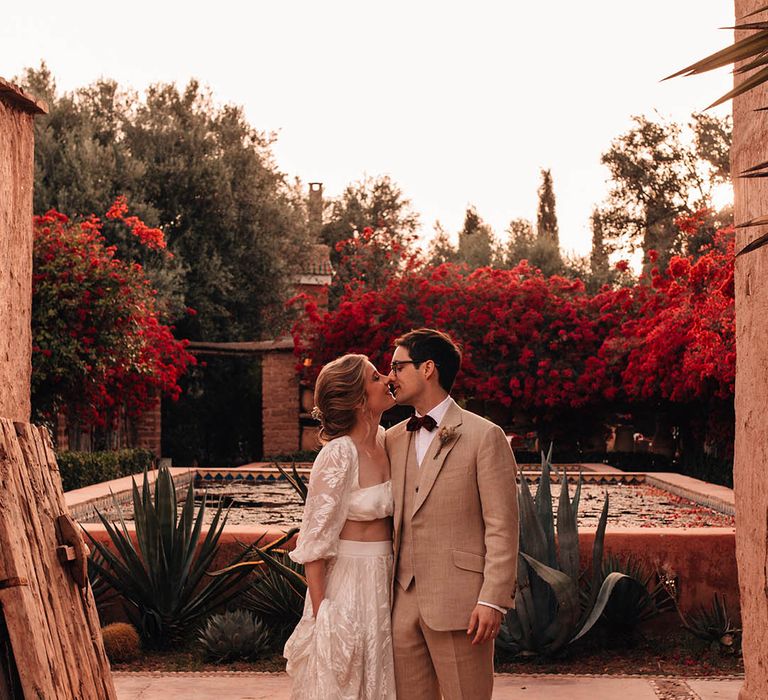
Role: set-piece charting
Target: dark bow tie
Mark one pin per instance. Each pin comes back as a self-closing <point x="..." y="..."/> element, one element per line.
<point x="418" y="422"/>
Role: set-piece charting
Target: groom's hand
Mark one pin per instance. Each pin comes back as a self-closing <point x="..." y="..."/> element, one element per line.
<point x="484" y="623"/>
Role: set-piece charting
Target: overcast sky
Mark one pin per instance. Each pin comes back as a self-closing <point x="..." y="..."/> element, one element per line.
<point x="459" y="102"/>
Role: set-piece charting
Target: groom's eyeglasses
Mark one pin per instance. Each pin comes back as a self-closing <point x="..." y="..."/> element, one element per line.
<point x="397" y="365"/>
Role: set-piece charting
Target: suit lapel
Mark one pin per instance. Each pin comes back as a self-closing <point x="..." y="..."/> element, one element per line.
<point x="436" y="455"/>
<point x="401" y="442"/>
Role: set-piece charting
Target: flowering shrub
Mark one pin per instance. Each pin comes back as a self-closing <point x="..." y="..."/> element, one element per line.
<point x="527" y="340"/>
<point x="679" y="344"/>
<point x="543" y="344"/>
<point x="98" y="344"/>
<point x="370" y="258"/>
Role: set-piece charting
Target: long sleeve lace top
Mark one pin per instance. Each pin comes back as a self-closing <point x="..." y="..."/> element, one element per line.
<point x="333" y="496"/>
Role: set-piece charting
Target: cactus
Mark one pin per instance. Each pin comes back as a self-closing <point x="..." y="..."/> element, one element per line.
<point x="549" y="613"/>
<point x="234" y="635"/>
<point x="121" y="642"/>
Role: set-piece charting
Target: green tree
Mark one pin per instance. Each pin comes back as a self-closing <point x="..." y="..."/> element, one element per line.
<point x="599" y="267"/>
<point x="477" y="244"/>
<point x="371" y="230"/>
<point x="201" y="173"/>
<point x="441" y="249"/>
<point x="520" y="240"/>
<point x="83" y="163"/>
<point x="235" y="221"/>
<point x="546" y="218"/>
<point x="375" y="202"/>
<point x="540" y="252"/>
<point x="657" y="176"/>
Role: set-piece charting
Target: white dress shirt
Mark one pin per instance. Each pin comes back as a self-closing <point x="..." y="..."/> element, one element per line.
<point x="424" y="439"/>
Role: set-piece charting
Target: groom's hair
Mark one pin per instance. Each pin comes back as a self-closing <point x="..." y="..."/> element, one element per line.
<point x="425" y="344"/>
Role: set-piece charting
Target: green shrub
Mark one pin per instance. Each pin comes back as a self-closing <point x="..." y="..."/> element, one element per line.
<point x="79" y="469"/>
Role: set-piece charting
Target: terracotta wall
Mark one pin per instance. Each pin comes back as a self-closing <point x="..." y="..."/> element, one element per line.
<point x="149" y="429"/>
<point x="702" y="559"/>
<point x="750" y="147"/>
<point x="280" y="403"/>
<point x="16" y="183"/>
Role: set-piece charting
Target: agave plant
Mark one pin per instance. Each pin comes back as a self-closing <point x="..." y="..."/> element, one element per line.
<point x="161" y="577"/>
<point x="752" y="52"/>
<point x="278" y="592"/>
<point x="295" y="480"/>
<point x="639" y="597"/>
<point x="276" y="598"/>
<point x="548" y="612"/>
<point x="714" y="625"/>
<point x="103" y="594"/>
<point x="234" y="635"/>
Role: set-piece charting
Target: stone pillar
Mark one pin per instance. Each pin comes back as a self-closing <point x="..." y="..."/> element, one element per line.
<point x="17" y="163"/>
<point x="280" y="402"/>
<point x="750" y="147"/>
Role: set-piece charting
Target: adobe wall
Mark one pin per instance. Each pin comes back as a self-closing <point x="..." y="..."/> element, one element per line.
<point x="750" y="147"/>
<point x="17" y="112"/>
<point x="702" y="559"/>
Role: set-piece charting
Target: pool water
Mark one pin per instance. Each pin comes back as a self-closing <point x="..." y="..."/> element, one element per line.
<point x="275" y="503"/>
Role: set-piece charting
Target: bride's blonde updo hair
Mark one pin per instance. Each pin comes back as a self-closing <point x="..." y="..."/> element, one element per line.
<point x="339" y="391"/>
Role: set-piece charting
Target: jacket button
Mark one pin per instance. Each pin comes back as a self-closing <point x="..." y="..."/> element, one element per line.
<point x="417" y="489"/>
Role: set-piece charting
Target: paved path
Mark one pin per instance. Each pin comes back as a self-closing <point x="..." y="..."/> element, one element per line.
<point x="276" y="686"/>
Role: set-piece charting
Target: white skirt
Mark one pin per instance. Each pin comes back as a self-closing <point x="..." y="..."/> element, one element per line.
<point x="345" y="653"/>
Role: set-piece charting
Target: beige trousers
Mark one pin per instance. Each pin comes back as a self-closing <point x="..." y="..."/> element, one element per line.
<point x="428" y="662"/>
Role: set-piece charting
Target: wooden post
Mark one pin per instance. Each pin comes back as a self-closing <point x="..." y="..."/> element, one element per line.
<point x="48" y="606"/>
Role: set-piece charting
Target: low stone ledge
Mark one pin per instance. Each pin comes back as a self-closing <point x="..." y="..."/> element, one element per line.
<point x="714" y="496"/>
<point x="83" y="503"/>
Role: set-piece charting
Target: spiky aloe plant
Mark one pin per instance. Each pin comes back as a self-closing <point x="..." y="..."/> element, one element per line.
<point x="276" y="598"/>
<point x="636" y="599"/>
<point x="548" y="612"/>
<point x="295" y="480"/>
<point x="714" y="625"/>
<point x="234" y="635"/>
<point x="161" y="577"/>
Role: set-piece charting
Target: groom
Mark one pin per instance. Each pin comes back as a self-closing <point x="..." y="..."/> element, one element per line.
<point x="456" y="528"/>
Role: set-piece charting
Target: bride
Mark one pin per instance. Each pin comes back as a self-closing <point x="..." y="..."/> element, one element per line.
<point x="342" y="646"/>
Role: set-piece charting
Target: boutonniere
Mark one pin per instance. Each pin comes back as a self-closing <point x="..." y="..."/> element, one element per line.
<point x="446" y="434"/>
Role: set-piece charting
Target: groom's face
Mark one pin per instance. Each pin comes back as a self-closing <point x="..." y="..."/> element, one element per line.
<point x="407" y="381"/>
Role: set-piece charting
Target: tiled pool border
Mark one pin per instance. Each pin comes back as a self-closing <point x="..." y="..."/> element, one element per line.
<point x="84" y="502"/>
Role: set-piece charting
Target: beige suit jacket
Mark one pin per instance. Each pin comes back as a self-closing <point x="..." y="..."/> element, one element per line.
<point x="464" y="521"/>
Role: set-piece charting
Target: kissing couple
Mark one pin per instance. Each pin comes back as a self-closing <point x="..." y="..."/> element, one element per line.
<point x="409" y="538"/>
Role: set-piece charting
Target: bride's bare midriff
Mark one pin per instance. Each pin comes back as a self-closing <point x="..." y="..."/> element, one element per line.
<point x="367" y="531"/>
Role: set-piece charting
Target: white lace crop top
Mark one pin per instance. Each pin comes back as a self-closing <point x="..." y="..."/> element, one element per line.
<point x="333" y="497"/>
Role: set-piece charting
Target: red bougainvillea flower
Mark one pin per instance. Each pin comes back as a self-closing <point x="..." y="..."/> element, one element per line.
<point x="152" y="238"/>
<point x="99" y="348"/>
<point x="544" y="344"/>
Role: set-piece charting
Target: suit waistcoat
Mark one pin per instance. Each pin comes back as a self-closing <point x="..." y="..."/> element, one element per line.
<point x="405" y="569"/>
